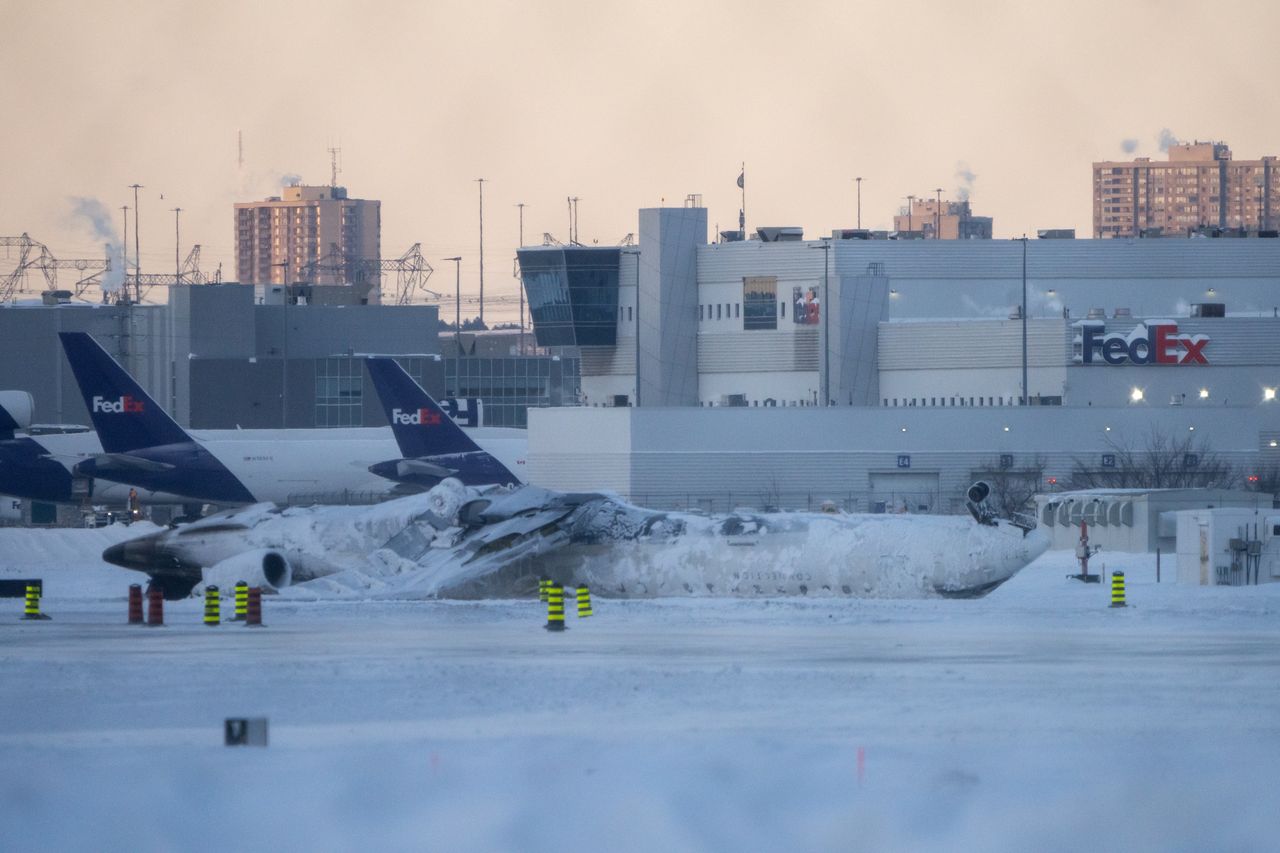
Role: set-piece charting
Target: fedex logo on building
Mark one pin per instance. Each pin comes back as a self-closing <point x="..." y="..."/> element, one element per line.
<point x="422" y="417"/>
<point x="1157" y="342"/>
<point x="126" y="405"/>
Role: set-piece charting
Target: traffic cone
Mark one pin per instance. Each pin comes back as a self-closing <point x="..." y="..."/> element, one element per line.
<point x="135" y="604"/>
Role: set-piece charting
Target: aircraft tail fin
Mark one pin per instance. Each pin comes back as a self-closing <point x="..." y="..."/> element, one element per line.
<point x="420" y="426"/>
<point x="125" y="417"/>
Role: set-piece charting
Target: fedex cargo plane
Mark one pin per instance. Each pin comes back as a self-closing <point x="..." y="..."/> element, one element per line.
<point x="39" y="466"/>
<point x="144" y="447"/>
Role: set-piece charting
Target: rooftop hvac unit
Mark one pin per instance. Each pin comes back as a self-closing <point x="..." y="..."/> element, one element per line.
<point x="851" y="234"/>
<point x="1209" y="309"/>
<point x="1056" y="234"/>
<point x="621" y="401"/>
<point x="733" y="399"/>
<point x="1123" y="313"/>
<point x="1097" y="314"/>
<point x="732" y="236"/>
<point x="1015" y="313"/>
<point x="783" y="234"/>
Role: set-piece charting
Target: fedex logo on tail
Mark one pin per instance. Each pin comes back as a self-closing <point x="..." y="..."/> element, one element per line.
<point x="126" y="405"/>
<point x="1156" y="343"/>
<point x="422" y="417"/>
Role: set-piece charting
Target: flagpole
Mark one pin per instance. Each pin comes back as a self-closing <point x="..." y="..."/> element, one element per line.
<point x="742" y="212"/>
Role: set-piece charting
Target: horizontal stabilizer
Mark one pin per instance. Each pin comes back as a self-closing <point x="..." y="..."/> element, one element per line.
<point x="423" y="467"/>
<point x="123" y="463"/>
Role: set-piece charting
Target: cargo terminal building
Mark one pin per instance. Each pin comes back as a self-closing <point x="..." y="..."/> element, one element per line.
<point x="1125" y="339"/>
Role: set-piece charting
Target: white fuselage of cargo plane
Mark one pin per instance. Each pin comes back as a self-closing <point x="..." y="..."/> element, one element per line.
<point x="281" y="466"/>
<point x="309" y="466"/>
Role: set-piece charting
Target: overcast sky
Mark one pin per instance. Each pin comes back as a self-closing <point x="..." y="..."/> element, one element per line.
<point x="624" y="105"/>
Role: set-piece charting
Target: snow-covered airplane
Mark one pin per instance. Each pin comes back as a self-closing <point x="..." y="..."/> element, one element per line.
<point x="143" y="446"/>
<point x="457" y="541"/>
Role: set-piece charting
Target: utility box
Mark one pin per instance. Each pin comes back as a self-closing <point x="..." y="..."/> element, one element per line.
<point x="1228" y="547"/>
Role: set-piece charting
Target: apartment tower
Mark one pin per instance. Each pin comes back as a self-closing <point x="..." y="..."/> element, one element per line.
<point x="307" y="234"/>
<point x="1199" y="188"/>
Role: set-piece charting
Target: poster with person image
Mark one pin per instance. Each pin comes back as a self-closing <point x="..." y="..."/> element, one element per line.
<point x="806" y="308"/>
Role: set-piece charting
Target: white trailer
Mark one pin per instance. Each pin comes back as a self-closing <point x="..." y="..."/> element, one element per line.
<point x="1228" y="546"/>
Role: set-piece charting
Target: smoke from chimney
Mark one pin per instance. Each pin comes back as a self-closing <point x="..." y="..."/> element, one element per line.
<point x="94" y="213"/>
<point x="1168" y="140"/>
<point x="1129" y="146"/>
<point x="966" y="177"/>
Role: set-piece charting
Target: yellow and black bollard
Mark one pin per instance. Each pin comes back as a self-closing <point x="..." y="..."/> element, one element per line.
<point x="32" y="608"/>
<point x="555" y="607"/>
<point x="212" y="606"/>
<point x="242" y="601"/>
<point x="584" y="602"/>
<point x="543" y="585"/>
<point x="1117" y="589"/>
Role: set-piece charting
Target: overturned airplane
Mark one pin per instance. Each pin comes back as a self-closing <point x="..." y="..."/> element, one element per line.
<point x="456" y="541"/>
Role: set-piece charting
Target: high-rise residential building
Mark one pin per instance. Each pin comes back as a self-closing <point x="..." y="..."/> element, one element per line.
<point x="1199" y="187"/>
<point x="933" y="219"/>
<point x="309" y="234"/>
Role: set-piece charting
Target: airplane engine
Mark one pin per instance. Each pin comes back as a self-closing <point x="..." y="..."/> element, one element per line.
<point x="266" y="567"/>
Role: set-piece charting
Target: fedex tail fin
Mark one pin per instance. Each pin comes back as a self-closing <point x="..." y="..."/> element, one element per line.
<point x="434" y="447"/>
<point x="420" y="426"/>
<point x="125" y="417"/>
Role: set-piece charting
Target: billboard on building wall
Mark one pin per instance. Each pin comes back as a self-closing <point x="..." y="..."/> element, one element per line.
<point x="806" y="308"/>
<point x="760" y="302"/>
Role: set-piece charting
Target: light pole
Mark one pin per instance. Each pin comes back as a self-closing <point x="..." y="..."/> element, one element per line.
<point x="137" y="255"/>
<point x="284" y="361"/>
<point x="859" y="182"/>
<point x="636" y="255"/>
<point x="521" y="206"/>
<point x="457" y="302"/>
<point x="177" y="242"/>
<point x="480" y="183"/>
<point x="1026" y="392"/>
<point x="825" y="308"/>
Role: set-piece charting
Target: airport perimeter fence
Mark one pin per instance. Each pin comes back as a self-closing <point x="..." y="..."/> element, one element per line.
<point x="924" y="503"/>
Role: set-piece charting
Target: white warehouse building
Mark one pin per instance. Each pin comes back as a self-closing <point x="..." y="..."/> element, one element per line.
<point x="685" y="342"/>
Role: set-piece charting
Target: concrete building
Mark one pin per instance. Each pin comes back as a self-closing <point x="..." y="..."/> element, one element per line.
<point x="930" y="321"/>
<point x="917" y="346"/>
<point x="934" y="219"/>
<point x="312" y="234"/>
<point x="227" y="356"/>
<point x="1199" y="187"/>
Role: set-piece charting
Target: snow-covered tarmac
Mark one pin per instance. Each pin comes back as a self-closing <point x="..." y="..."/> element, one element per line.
<point x="1037" y="718"/>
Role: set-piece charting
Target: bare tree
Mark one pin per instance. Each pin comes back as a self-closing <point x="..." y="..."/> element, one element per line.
<point x="1162" y="461"/>
<point x="1012" y="488"/>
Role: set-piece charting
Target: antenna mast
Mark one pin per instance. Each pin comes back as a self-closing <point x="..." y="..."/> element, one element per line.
<point x="334" y="168"/>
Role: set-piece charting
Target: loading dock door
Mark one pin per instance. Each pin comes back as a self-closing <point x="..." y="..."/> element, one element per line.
<point x="892" y="490"/>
